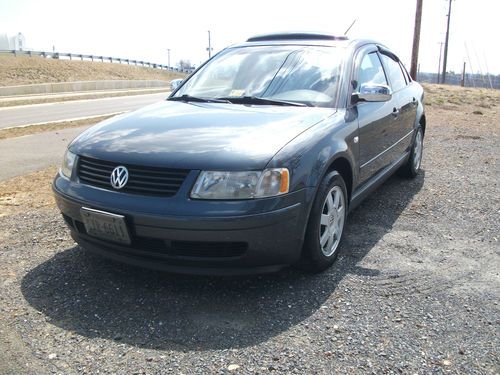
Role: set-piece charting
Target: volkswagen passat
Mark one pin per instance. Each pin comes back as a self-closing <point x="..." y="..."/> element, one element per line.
<point x="252" y="163"/>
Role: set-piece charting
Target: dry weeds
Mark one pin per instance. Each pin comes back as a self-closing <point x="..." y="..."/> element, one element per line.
<point x="454" y="97"/>
<point x="24" y="70"/>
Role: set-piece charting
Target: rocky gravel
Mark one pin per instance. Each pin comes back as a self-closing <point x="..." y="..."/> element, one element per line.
<point x="415" y="289"/>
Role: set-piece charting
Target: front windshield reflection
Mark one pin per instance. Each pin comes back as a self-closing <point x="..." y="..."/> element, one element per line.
<point x="301" y="74"/>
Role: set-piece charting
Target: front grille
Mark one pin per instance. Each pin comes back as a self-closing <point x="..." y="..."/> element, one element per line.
<point x="142" y="180"/>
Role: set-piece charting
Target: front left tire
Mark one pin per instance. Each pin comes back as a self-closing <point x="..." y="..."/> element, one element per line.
<point x="324" y="233"/>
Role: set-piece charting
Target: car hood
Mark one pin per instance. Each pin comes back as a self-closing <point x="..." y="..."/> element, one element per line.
<point x="208" y="136"/>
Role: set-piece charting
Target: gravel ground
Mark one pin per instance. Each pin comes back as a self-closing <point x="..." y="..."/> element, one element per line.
<point x="415" y="290"/>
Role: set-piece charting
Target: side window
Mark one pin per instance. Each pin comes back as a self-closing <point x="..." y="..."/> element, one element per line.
<point x="371" y="71"/>
<point x="394" y="72"/>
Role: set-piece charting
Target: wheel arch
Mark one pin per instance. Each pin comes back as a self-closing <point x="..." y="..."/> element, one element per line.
<point x="342" y="165"/>
<point x="423" y="122"/>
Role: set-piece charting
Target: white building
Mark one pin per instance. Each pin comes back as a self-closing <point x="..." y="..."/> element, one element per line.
<point x="17" y="42"/>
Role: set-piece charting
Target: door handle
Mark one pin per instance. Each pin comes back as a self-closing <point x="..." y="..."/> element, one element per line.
<point x="395" y="112"/>
<point x="414" y="102"/>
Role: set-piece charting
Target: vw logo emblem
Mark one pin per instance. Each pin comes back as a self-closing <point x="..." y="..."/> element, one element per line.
<point x="119" y="177"/>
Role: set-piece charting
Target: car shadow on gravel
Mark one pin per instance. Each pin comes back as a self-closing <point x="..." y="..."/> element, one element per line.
<point x="98" y="298"/>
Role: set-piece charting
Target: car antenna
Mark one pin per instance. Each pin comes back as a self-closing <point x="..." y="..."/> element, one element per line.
<point x="349" y="28"/>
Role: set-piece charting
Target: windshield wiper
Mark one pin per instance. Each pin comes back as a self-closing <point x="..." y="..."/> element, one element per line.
<point x="189" y="98"/>
<point x="257" y="100"/>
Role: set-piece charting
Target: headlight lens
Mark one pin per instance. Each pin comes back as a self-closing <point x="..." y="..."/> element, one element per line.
<point x="241" y="185"/>
<point x="67" y="164"/>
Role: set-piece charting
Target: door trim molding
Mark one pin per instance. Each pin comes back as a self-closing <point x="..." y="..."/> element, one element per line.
<point x="387" y="149"/>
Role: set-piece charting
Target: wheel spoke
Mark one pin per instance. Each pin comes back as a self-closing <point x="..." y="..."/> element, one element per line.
<point x="338" y="228"/>
<point x="324" y="238"/>
<point x="329" y="202"/>
<point x="325" y="219"/>
<point x="336" y="201"/>
<point x="331" y="241"/>
<point x="340" y="211"/>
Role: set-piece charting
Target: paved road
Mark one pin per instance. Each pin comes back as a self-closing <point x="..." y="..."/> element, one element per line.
<point x="17" y="155"/>
<point x="40" y="113"/>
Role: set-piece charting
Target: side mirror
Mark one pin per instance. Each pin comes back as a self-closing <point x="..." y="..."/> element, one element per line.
<point x="175" y="83"/>
<point x="372" y="93"/>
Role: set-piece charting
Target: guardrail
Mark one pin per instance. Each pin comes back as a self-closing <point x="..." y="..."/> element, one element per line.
<point x="71" y="56"/>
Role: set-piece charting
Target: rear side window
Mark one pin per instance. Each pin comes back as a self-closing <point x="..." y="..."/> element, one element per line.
<point x="405" y="72"/>
<point x="393" y="70"/>
<point x="371" y="71"/>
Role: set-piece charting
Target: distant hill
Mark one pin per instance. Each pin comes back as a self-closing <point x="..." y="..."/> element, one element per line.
<point x="23" y="70"/>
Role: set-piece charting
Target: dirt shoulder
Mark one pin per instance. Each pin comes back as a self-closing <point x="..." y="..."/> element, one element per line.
<point x="28" y="192"/>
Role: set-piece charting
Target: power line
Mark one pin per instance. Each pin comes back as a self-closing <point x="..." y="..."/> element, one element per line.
<point x="487" y="70"/>
<point x="439" y="64"/>
<point x="470" y="64"/>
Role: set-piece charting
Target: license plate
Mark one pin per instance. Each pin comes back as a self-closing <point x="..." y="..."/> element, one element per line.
<point x="105" y="225"/>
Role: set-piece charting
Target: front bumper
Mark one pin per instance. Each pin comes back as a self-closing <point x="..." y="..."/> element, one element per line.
<point x="238" y="237"/>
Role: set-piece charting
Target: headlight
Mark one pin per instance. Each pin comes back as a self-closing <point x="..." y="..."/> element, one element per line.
<point x="67" y="164"/>
<point x="241" y="185"/>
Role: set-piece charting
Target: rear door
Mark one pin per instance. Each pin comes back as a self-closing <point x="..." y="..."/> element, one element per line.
<point x="399" y="81"/>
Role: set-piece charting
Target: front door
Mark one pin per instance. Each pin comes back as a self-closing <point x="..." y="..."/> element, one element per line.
<point x="378" y="121"/>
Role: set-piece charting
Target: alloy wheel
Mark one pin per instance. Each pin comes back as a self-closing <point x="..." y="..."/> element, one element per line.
<point x="332" y="221"/>
<point x="417" y="150"/>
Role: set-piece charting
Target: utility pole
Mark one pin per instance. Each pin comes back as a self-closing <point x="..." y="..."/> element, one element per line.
<point x="445" y="58"/>
<point x="209" y="48"/>
<point x="168" y="50"/>
<point x="416" y="40"/>
<point x="462" y="82"/>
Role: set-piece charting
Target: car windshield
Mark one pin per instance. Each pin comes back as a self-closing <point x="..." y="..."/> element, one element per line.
<point x="284" y="75"/>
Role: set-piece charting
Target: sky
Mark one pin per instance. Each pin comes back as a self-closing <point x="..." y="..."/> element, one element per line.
<point x="146" y="29"/>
